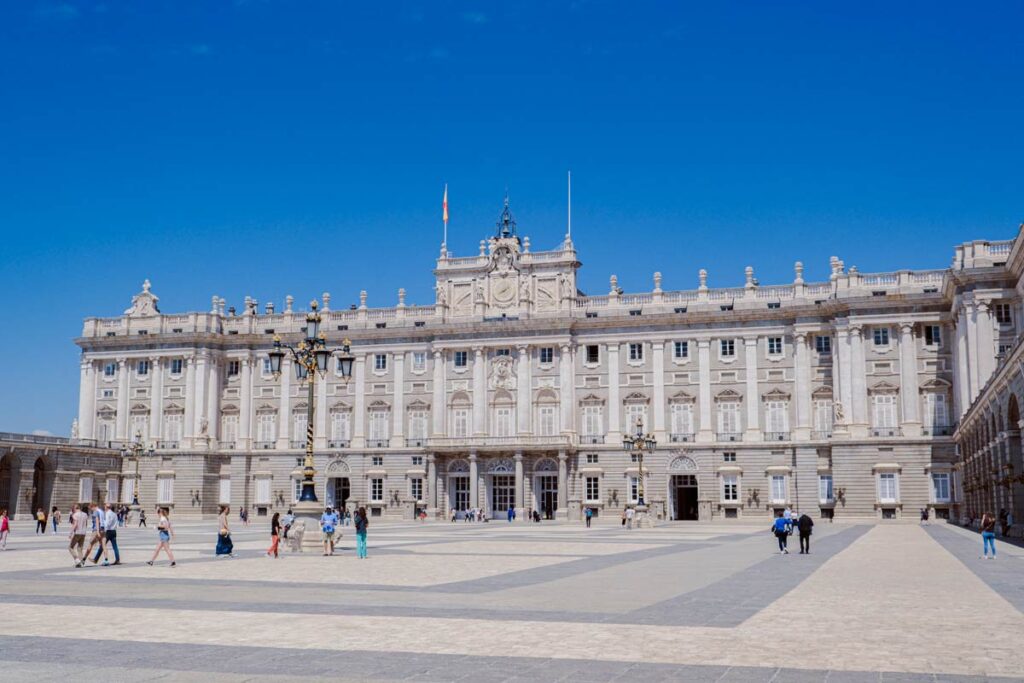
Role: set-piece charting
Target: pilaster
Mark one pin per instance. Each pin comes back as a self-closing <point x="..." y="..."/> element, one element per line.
<point x="753" y="398"/>
<point x="705" y="434"/>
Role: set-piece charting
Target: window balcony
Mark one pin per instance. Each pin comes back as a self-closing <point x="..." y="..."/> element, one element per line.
<point x="776" y="436"/>
<point x="592" y="438"/>
<point x="500" y="442"/>
<point x="937" y="431"/>
<point x="416" y="441"/>
<point x="338" y="443"/>
<point x="226" y="445"/>
<point x="376" y="443"/>
<point x="886" y="431"/>
<point x="265" y="445"/>
<point x="729" y="436"/>
<point x="167" y="445"/>
<point x="820" y="434"/>
<point x="681" y="437"/>
<point x="297" y="443"/>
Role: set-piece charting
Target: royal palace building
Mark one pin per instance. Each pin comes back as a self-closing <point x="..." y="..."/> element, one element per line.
<point x="514" y="388"/>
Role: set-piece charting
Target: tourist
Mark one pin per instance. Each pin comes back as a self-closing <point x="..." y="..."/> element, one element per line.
<point x="588" y="514"/>
<point x="79" y="522"/>
<point x="5" y="528"/>
<point x="287" y="522"/>
<point x="55" y="518"/>
<point x="109" y="535"/>
<point x="988" y="535"/>
<point x="787" y="515"/>
<point x="327" y="531"/>
<point x="536" y="517"/>
<point x="511" y="513"/>
<point x="225" y="547"/>
<point x="804" y="524"/>
<point x="623" y="516"/>
<point x="142" y="518"/>
<point x="630" y="513"/>
<point x="453" y="515"/>
<point x="98" y="534"/>
<point x="275" y="534"/>
<point x="166" y="533"/>
<point x="40" y="522"/>
<point x="924" y="516"/>
<point x="781" y="528"/>
<point x="361" y="523"/>
<point x="245" y="516"/>
<point x="1004" y="523"/>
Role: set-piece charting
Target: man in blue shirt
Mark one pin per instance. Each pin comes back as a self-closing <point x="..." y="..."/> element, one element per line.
<point x="328" y="521"/>
<point x="781" y="529"/>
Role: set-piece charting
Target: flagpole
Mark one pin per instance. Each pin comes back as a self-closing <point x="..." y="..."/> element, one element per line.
<point x="569" y="234"/>
<point x="444" y="243"/>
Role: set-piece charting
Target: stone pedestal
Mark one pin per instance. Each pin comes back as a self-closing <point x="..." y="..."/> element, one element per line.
<point x="642" y="518"/>
<point x="307" y="517"/>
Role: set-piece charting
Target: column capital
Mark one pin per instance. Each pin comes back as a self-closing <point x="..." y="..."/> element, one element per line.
<point x="983" y="306"/>
<point x="518" y="456"/>
<point x="658" y="343"/>
<point x="86" y="364"/>
<point x="565" y="346"/>
<point x="906" y="327"/>
<point x="855" y="329"/>
<point x="430" y="457"/>
<point x="801" y="336"/>
<point x="121" y="361"/>
<point x="750" y="340"/>
<point x="562" y="455"/>
<point x="478" y="351"/>
<point x="155" y="360"/>
<point x="438" y="354"/>
<point x="703" y="343"/>
<point x="472" y="456"/>
<point x="523" y="349"/>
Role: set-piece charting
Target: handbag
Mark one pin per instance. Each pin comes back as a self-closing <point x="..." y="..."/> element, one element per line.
<point x="223" y="532"/>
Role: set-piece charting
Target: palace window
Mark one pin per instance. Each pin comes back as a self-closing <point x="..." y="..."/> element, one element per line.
<point x="378" y="424"/>
<point x="681" y="417"/>
<point x="592" y="458"/>
<point x="140" y="427"/>
<point x="503" y="421"/>
<point x="417" y="461"/>
<point x="142" y="368"/>
<point x="884" y="411"/>
<point x="416" y="488"/>
<point x="547" y="355"/>
<point x="503" y="352"/>
<point x="266" y="368"/>
<point x="234" y="367"/>
<point x="176" y="366"/>
<point x="774" y="346"/>
<point x="299" y="422"/>
<point x="935" y="412"/>
<point x="822" y="344"/>
<point x="881" y="336"/>
<point x="110" y="370"/>
<point x="380" y="361"/>
<point x="634" y="485"/>
<point x="85" y="489"/>
<point x="419" y="361"/>
<point x="932" y="335"/>
<point x="460" y="422"/>
<point x="634" y="412"/>
<point x="592" y="421"/>
<point x="825" y="494"/>
<point x="887" y="489"/>
<point x="680" y="350"/>
<point x="593" y="353"/>
<point x="940" y="487"/>
<point x="823" y="416"/>
<point x="377" y="461"/>
<point x="262" y="493"/>
<point x="461" y="359"/>
<point x="224" y="491"/>
<point x="778" y="489"/>
<point x="636" y="351"/>
<point x="727" y="348"/>
<point x="728" y="417"/>
<point x="340" y="421"/>
<point x="730" y="488"/>
<point x="593" y="489"/>
<point x="229" y="428"/>
<point x="266" y="427"/>
<point x="376" y="490"/>
<point x="417" y="424"/>
<point x="165" y="490"/>
<point x="729" y="456"/>
<point x="777" y="417"/>
<point x="547" y="420"/>
<point x="172" y="428"/>
<point x="1003" y="316"/>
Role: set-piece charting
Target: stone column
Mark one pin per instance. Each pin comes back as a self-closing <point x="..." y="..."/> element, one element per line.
<point x="520" y="497"/>
<point x="156" y="400"/>
<point x="121" y="432"/>
<point x="523" y="390"/>
<point x="858" y="380"/>
<point x="474" y="489"/>
<point x="658" y="407"/>
<point x="970" y="313"/>
<point x="398" y="414"/>
<point x="87" y="401"/>
<point x="359" y="410"/>
<point x="845" y="355"/>
<point x="199" y="382"/>
<point x="563" y="485"/>
<point x="753" y="397"/>
<point x="187" y="429"/>
<point x="284" y="409"/>
<point x="213" y="401"/>
<point x="565" y="381"/>
<point x="320" y="414"/>
<point x="986" y="344"/>
<point x="614" y="402"/>
<point x="908" y="381"/>
<point x="430" y="486"/>
<point x="479" y="392"/>
<point x="244" y="413"/>
<point x="439" y="393"/>
<point x="706" y="432"/>
<point x="803" y="387"/>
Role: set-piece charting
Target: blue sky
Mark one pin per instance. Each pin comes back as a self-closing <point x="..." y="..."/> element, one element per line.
<point x="200" y="143"/>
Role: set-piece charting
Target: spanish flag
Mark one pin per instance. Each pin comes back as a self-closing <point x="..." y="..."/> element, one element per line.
<point x="444" y="203"/>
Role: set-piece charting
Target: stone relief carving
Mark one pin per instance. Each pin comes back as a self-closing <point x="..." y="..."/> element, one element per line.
<point x="503" y="374"/>
<point x="144" y="303"/>
<point x="338" y="466"/>
<point x="683" y="463"/>
<point x="838" y="414"/>
<point x="500" y="466"/>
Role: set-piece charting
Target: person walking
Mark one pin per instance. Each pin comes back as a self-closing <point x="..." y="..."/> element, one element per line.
<point x="924" y="516"/>
<point x="98" y="535"/>
<point x="781" y="528"/>
<point x="225" y="548"/>
<point x="286" y="523"/>
<point x="588" y="514"/>
<point x="109" y="535"/>
<point x="988" y="535"/>
<point x="511" y="513"/>
<point x="623" y="516"/>
<point x="275" y="534"/>
<point x="361" y="523"/>
<point x="40" y="522"/>
<point x="165" y="533"/>
<point x="5" y="528"/>
<point x="55" y="518"/>
<point x="142" y="518"/>
<point x="630" y="513"/>
<point x="804" y="524"/>
<point x="79" y="522"/>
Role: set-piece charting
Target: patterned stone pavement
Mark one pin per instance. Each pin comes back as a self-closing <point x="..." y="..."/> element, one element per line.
<point x="535" y="602"/>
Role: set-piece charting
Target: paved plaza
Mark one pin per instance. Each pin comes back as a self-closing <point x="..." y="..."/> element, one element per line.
<point x="538" y="602"/>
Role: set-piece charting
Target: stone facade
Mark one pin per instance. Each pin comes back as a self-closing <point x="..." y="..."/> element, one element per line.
<point x="515" y="389"/>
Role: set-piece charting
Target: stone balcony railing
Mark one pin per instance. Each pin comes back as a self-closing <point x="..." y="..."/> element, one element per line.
<point x="505" y="442"/>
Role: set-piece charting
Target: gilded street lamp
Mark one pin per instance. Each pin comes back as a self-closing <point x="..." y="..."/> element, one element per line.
<point x="638" y="444"/>
<point x="311" y="358"/>
<point x="135" y="450"/>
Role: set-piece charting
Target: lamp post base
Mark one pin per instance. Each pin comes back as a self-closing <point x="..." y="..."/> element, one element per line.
<point x="643" y="519"/>
<point x="307" y="517"/>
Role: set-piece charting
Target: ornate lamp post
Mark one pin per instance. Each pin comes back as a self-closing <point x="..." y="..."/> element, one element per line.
<point x="135" y="450"/>
<point x="311" y="358"/>
<point x="637" y="445"/>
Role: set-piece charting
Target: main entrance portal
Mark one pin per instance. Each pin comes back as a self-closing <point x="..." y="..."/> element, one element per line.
<point x="547" y="495"/>
<point x="338" y="492"/>
<point x="684" y="496"/>
<point x="503" y="494"/>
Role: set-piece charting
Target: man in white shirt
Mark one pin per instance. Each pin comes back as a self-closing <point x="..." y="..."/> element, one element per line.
<point x="108" y="527"/>
<point x="629" y="517"/>
<point x="97" y="520"/>
<point x="79" y="525"/>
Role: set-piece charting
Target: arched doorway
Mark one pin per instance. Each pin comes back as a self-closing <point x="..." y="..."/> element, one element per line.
<point x="42" y="486"/>
<point x="545" y="487"/>
<point x="682" y="489"/>
<point x="8" y="497"/>
<point x="339" y="485"/>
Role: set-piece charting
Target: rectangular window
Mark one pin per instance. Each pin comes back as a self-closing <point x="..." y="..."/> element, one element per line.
<point x="634" y="486"/>
<point x="234" y="367"/>
<point x="377" y="461"/>
<point x="548" y="420"/>
<point x="419" y="361"/>
<point x="730" y="488"/>
<point x="176" y="366"/>
<point x="85" y="489"/>
<point x="727" y="348"/>
<point x="823" y="416"/>
<point x="592" y="421"/>
<point x="940" y="487"/>
<point x="142" y="368"/>
<point x="299" y="423"/>
<point x="416" y="488"/>
<point x="503" y="421"/>
<point x="417" y="424"/>
<point x="263" y="491"/>
<point x="681" y="349"/>
<point x="110" y="370"/>
<point x="266" y="367"/>
<point x="774" y="346"/>
<point x="376" y="490"/>
<point x="460" y="422"/>
<point x="884" y="411"/>
<point x="224" y="491"/>
<point x="112" y="491"/>
<point x="825" y="494"/>
<point x="729" y="457"/>
<point x="592" y="458"/>
<point x="932" y="335"/>
<point x="380" y="361"/>
<point x="165" y="490"/>
<point x="172" y="428"/>
<point x="881" y="336"/>
<point x="229" y="428"/>
<point x="887" y="487"/>
<point x="823" y="344"/>
<point x="681" y="417"/>
<point x="340" y="421"/>
<point x="776" y="416"/>
<point x="728" y="417"/>
<point x="1003" y="316"/>
<point x="378" y="425"/>
<point x="778" y="488"/>
<point x="593" y="353"/>
<point x="636" y="352"/>
<point x="634" y="412"/>
<point x="461" y="359"/>
<point x="935" y="413"/>
<point x="266" y="427"/>
<point x="593" y="489"/>
<point x="547" y="355"/>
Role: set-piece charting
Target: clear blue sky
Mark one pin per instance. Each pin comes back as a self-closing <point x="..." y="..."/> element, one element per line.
<point x="193" y="142"/>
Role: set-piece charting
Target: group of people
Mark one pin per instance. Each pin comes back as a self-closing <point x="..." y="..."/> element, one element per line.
<point x="788" y="522"/>
<point x="472" y="515"/>
<point x="121" y="512"/>
<point x="331" y="520"/>
<point x="101" y="527"/>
